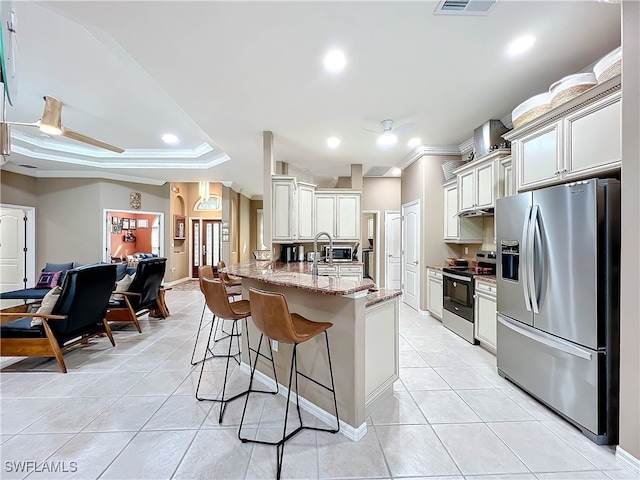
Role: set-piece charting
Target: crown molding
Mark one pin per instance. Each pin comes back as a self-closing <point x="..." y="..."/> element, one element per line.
<point x="423" y="150"/>
<point x="55" y="146"/>
<point x="141" y="162"/>
<point x="80" y="174"/>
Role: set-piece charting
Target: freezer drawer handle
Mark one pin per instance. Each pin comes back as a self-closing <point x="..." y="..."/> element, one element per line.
<point x="570" y="349"/>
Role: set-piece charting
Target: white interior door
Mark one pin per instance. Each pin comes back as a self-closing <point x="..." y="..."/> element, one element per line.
<point x="12" y="252"/>
<point x="392" y="250"/>
<point x="411" y="254"/>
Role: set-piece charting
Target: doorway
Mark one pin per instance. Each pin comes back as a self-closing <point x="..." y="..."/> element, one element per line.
<point x="127" y="232"/>
<point x="411" y="254"/>
<point x="17" y="250"/>
<point x="206" y="244"/>
<point x="392" y="250"/>
<point x="370" y="244"/>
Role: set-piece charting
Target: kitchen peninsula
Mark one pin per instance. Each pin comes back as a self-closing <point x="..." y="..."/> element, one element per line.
<point x="363" y="339"/>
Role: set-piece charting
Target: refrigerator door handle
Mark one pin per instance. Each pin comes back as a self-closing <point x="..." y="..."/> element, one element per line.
<point x="524" y="264"/>
<point x="534" y="234"/>
<point x="564" y="346"/>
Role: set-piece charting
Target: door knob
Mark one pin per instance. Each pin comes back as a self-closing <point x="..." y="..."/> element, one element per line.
<point x="415" y="263"/>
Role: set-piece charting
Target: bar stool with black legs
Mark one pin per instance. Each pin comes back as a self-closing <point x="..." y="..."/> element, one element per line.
<point x="271" y="316"/>
<point x="217" y="300"/>
<point x="206" y="271"/>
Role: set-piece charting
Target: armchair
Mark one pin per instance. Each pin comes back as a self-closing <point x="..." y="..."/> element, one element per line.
<point x="145" y="294"/>
<point x="78" y="314"/>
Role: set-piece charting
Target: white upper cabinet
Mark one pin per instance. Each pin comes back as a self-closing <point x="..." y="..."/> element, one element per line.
<point x="576" y="140"/>
<point x="506" y="176"/>
<point x="457" y="229"/>
<point x="306" y="211"/>
<point x="338" y="214"/>
<point x="325" y="213"/>
<point x="348" y="217"/>
<point x="593" y="138"/>
<point x="479" y="182"/>
<point x="285" y="208"/>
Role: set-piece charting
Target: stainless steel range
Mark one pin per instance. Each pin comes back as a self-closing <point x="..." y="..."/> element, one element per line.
<point x="458" y="294"/>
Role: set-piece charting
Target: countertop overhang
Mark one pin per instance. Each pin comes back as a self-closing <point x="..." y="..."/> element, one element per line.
<point x="298" y="275"/>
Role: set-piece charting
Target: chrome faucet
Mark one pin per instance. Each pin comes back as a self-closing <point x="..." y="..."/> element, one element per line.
<point x="314" y="269"/>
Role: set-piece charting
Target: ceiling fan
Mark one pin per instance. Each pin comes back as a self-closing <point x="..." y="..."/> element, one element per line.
<point x="51" y="124"/>
<point x="388" y="136"/>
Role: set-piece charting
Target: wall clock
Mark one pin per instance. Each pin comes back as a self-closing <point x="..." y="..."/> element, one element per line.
<point x="8" y="74"/>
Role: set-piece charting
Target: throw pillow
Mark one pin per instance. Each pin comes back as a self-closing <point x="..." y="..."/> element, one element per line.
<point x="123" y="286"/>
<point x="46" y="307"/>
<point x="48" y="279"/>
<point x="58" y="267"/>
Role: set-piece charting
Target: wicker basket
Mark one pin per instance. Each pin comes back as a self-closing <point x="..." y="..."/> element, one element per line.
<point x="570" y="87"/>
<point x="449" y="167"/>
<point x="530" y="109"/>
<point x="608" y="66"/>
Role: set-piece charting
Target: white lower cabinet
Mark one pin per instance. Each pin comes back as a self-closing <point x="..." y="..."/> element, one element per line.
<point x="434" y="293"/>
<point x="354" y="272"/>
<point x="485" y="315"/>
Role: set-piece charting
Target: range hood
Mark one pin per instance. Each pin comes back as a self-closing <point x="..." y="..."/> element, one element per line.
<point x="480" y="212"/>
<point x="487" y="135"/>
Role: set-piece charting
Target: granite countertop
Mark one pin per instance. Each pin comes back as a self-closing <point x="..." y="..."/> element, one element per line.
<point x="382" y="295"/>
<point x="297" y="275"/>
<point x="436" y="267"/>
<point x="490" y="279"/>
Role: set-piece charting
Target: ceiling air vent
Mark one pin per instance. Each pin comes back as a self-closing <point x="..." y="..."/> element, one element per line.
<point x="464" y="7"/>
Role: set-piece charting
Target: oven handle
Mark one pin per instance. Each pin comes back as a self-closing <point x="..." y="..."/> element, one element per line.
<point x="460" y="278"/>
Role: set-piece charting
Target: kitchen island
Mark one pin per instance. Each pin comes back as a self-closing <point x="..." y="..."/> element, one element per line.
<point x="363" y="339"/>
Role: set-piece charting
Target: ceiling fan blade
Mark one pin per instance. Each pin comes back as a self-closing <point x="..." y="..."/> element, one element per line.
<point x="91" y="141"/>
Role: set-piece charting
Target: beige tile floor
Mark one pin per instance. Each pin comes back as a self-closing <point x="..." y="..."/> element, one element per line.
<point x="129" y="412"/>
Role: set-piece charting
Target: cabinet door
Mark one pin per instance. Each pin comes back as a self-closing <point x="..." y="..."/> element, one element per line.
<point x="593" y="138"/>
<point x="451" y="220"/>
<point x="507" y="177"/>
<point x="467" y="190"/>
<point x="538" y="157"/>
<point x="485" y="324"/>
<point x="434" y="295"/>
<point x="348" y="217"/>
<point x="284" y="209"/>
<point x="486" y="185"/>
<point x="325" y="214"/>
<point x="305" y="213"/>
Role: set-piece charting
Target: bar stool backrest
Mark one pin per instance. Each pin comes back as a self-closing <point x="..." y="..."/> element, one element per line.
<point x="223" y="275"/>
<point x="215" y="294"/>
<point x="271" y="316"/>
<point x="205" y="271"/>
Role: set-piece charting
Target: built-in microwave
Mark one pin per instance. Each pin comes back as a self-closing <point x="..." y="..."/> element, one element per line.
<point x="341" y="253"/>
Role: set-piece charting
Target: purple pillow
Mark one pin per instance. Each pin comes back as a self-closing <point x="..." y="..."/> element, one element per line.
<point x="48" y="279"/>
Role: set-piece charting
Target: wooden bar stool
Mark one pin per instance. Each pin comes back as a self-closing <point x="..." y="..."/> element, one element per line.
<point x="271" y="316"/>
<point x="206" y="271"/>
<point x="217" y="300"/>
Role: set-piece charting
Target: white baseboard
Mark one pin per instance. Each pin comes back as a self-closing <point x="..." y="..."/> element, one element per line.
<point x="176" y="282"/>
<point x="628" y="459"/>
<point x="352" y="433"/>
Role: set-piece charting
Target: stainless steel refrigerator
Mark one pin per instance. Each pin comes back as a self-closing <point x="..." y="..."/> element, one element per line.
<point x="559" y="297"/>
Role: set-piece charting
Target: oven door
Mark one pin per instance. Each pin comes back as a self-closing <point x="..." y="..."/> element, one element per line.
<point x="457" y="292"/>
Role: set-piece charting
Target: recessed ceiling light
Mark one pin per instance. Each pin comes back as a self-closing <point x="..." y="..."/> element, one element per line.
<point x="387" y="140"/>
<point x="170" y="138"/>
<point x="395" y="171"/>
<point x="414" y="142"/>
<point x="520" y="45"/>
<point x="335" y="61"/>
<point x="333" y="142"/>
